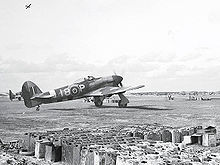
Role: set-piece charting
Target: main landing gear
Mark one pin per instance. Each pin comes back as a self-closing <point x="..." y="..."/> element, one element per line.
<point x="123" y="102"/>
<point x="98" y="101"/>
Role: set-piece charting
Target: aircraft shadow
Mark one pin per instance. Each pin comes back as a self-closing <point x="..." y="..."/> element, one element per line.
<point x="62" y="109"/>
<point x="71" y="109"/>
<point x="142" y="107"/>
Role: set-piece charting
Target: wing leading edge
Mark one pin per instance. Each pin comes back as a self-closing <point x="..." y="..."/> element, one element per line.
<point x="111" y="90"/>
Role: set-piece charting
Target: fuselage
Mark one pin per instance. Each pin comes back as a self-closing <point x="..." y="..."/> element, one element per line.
<point x="80" y="88"/>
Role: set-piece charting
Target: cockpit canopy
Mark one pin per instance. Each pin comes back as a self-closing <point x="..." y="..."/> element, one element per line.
<point x="89" y="78"/>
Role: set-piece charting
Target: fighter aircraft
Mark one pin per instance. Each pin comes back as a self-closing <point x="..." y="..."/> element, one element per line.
<point x="28" y="6"/>
<point x="98" y="88"/>
<point x="3" y="94"/>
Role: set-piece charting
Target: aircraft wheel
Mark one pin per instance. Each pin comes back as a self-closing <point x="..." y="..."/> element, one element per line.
<point x="122" y="105"/>
<point x="38" y="108"/>
<point x="98" y="103"/>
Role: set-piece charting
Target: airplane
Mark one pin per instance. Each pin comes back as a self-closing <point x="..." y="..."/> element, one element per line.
<point x="4" y="94"/>
<point x="28" y="6"/>
<point x="98" y="88"/>
<point x="13" y="96"/>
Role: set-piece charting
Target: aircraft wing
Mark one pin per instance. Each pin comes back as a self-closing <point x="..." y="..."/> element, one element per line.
<point x="111" y="90"/>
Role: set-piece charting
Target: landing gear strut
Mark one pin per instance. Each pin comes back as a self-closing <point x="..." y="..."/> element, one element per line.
<point x="120" y="105"/>
<point x="98" y="101"/>
<point x="123" y="102"/>
<point x="38" y="108"/>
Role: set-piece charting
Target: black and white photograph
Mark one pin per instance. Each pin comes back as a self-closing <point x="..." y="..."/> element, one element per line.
<point x="109" y="82"/>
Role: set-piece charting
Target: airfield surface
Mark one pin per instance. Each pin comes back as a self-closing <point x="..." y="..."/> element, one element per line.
<point x="16" y="119"/>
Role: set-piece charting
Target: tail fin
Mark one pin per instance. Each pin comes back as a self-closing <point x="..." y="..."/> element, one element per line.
<point x="29" y="89"/>
<point x="11" y="95"/>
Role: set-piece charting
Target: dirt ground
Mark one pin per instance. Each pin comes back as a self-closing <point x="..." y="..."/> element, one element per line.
<point x="16" y="119"/>
<point x="16" y="159"/>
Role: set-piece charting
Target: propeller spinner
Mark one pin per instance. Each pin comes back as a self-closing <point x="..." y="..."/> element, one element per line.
<point x="117" y="80"/>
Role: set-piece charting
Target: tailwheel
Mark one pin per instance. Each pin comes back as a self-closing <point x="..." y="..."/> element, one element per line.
<point x="122" y="105"/>
<point x="98" y="103"/>
<point x="38" y="108"/>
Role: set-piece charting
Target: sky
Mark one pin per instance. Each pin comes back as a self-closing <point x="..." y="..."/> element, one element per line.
<point x="167" y="45"/>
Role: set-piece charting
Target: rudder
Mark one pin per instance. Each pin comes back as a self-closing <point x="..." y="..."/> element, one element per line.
<point x="11" y="95"/>
<point x="29" y="89"/>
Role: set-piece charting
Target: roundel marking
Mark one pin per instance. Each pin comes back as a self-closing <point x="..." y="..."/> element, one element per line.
<point x="82" y="86"/>
<point x="74" y="90"/>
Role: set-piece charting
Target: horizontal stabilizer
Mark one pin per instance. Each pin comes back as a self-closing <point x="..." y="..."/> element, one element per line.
<point x="42" y="97"/>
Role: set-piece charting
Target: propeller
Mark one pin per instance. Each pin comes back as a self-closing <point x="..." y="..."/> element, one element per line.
<point x="120" y="84"/>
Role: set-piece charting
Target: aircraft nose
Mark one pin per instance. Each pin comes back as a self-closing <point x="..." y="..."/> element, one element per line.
<point x="117" y="79"/>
